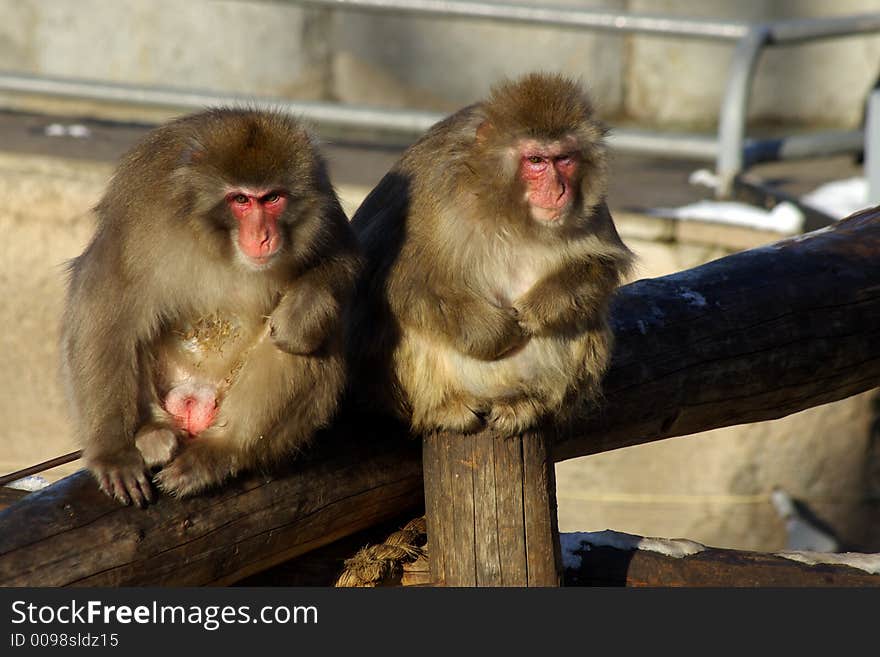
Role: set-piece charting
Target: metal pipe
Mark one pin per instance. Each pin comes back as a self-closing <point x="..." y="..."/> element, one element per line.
<point x="812" y="29"/>
<point x="795" y="147"/>
<point x="556" y="16"/>
<point x="668" y="144"/>
<point x="406" y="122"/>
<point x="734" y="108"/>
<point x="872" y="147"/>
<point x="409" y="123"/>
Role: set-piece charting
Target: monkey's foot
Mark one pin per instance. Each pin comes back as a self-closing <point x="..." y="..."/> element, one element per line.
<point x="459" y="418"/>
<point x="513" y="418"/>
<point x="123" y="477"/>
<point x="185" y="475"/>
<point x="157" y="445"/>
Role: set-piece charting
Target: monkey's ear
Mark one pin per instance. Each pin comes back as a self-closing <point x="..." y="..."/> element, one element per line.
<point x="484" y="132"/>
<point x="192" y="155"/>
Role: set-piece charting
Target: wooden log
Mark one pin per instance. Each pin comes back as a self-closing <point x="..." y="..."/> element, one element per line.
<point x="603" y="561"/>
<point x="72" y="534"/>
<point x="754" y="336"/>
<point x="9" y="496"/>
<point x="490" y="505"/>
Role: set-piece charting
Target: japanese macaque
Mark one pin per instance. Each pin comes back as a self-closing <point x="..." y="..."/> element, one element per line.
<point x="202" y="331"/>
<point x="491" y="257"/>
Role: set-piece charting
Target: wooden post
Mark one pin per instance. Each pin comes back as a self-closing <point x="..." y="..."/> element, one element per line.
<point x="490" y="504"/>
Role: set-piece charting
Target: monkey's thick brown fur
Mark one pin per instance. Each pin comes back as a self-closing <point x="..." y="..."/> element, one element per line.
<point x="164" y="297"/>
<point x="472" y="311"/>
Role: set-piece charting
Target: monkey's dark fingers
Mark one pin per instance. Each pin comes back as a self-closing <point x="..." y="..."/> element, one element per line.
<point x="104" y="483"/>
<point x="120" y="492"/>
<point x="146" y="488"/>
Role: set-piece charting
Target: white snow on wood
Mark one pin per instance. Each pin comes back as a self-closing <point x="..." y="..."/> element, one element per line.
<point x="32" y="483"/>
<point x="870" y="563"/>
<point x="784" y="218"/>
<point x="704" y="177"/>
<point x="837" y="199"/>
<point x="575" y="542"/>
<point x="75" y="130"/>
<point x="693" y="297"/>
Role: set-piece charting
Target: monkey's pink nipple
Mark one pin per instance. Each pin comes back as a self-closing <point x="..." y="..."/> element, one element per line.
<point x="192" y="412"/>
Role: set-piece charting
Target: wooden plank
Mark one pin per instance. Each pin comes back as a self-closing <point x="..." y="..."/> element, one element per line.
<point x="511" y="517"/>
<point x="737" y="340"/>
<point x="84" y="538"/>
<point x="9" y="496"/>
<point x="461" y="565"/>
<point x="322" y="567"/>
<point x="487" y="548"/>
<point x="602" y="565"/>
<point x="439" y="510"/>
<point x="488" y="554"/>
<point x="539" y="506"/>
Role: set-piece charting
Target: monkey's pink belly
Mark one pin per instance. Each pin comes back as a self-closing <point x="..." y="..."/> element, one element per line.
<point x="193" y="406"/>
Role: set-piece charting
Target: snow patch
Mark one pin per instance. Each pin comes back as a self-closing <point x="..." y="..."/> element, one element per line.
<point x="32" y="483"/>
<point x="839" y="198"/>
<point x="575" y="542"/>
<point x="75" y="130"/>
<point x="870" y="563"/>
<point x="693" y="297"/>
<point x="704" y="177"/>
<point x="784" y="218"/>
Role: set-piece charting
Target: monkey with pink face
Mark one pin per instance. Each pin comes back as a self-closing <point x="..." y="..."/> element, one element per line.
<point x="203" y="327"/>
<point x="491" y="257"/>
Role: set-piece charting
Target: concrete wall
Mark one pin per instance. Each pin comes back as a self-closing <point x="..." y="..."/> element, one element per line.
<point x="278" y="49"/>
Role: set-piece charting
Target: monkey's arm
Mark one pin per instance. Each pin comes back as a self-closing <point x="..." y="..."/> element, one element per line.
<point x="101" y="367"/>
<point x="574" y="294"/>
<point x="310" y="310"/>
<point x="462" y="319"/>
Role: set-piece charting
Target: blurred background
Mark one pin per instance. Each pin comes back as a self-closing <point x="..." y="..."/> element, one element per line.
<point x="669" y="195"/>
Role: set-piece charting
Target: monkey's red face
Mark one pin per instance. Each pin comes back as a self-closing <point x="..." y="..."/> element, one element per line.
<point x="549" y="171"/>
<point x="257" y="213"/>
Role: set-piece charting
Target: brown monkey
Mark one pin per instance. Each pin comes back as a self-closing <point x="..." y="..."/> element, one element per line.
<point x="491" y="258"/>
<point x="202" y="327"/>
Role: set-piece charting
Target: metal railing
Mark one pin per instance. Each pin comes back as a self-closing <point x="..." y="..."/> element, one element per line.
<point x="872" y="147"/>
<point x="731" y="149"/>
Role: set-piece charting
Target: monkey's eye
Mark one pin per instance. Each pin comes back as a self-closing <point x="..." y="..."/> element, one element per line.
<point x="535" y="159"/>
<point x="271" y="198"/>
<point x="241" y="199"/>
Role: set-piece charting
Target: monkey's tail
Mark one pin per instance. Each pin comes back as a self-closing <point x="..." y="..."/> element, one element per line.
<point x="376" y="565"/>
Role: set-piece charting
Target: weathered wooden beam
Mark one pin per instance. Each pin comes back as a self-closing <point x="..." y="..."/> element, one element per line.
<point x="72" y="534"/>
<point x="9" y="496"/>
<point x="617" y="559"/>
<point x="610" y="558"/>
<point x="490" y="506"/>
<point x="754" y="336"/>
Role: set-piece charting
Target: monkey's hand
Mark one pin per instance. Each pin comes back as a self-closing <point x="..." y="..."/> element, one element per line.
<point x="489" y="332"/>
<point x="122" y="475"/>
<point x="570" y="298"/>
<point x="304" y="319"/>
<point x="551" y="309"/>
